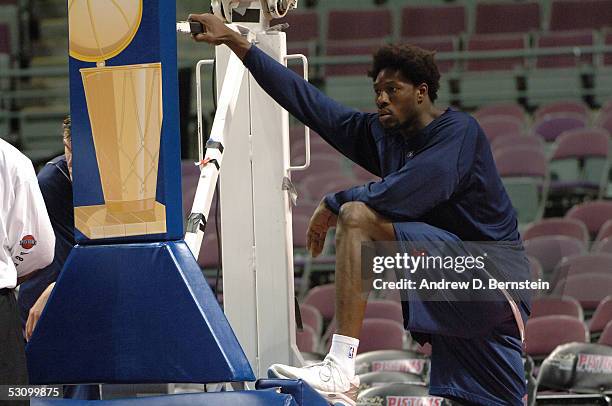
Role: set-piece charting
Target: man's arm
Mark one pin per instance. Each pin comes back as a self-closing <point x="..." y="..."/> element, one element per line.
<point x="425" y="181"/>
<point x="347" y="130"/>
<point x="31" y="238"/>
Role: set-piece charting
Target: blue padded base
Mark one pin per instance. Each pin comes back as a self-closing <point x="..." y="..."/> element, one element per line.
<point x="251" y="398"/>
<point x="303" y="394"/>
<point x="134" y="313"/>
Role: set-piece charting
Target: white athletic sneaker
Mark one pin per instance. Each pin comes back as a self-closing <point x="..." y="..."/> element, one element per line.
<point x="325" y="377"/>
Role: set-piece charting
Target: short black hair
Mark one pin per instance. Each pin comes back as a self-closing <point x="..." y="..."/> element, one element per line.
<point x="414" y="63"/>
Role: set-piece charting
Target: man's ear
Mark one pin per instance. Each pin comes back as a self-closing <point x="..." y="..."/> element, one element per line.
<point x="422" y="92"/>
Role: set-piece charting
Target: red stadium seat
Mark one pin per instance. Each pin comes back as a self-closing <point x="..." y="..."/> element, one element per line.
<point x="606" y="335"/>
<point x="517" y="140"/>
<point x="312" y="317"/>
<point x="441" y="21"/>
<point x="544" y="334"/>
<point x="501" y="109"/>
<point x="307" y="340"/>
<point x="550" y="250"/>
<point x="589" y="288"/>
<point x="602" y="315"/>
<point x="381" y="334"/>
<point x="580" y="14"/>
<point x="582" y="264"/>
<point x="323" y="298"/>
<point x="564" y="39"/>
<point x="551" y="126"/>
<point x="603" y="246"/>
<point x="593" y="214"/>
<point x="563" y="106"/>
<point x="497" y="18"/>
<point x="496" y="43"/>
<point x="558" y="226"/>
<point x="550" y="306"/>
<point x="501" y="126"/>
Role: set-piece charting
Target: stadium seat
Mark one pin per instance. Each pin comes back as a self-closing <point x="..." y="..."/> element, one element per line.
<point x="560" y="40"/>
<point x="551" y="249"/>
<point x="373" y="379"/>
<point x="496" y="43"/>
<point x="384" y="309"/>
<point x="501" y="109"/>
<point x="316" y="187"/>
<point x="580" y="163"/>
<point x="606" y="335"/>
<point x="300" y="227"/>
<point x="605" y="121"/>
<point x="602" y="246"/>
<point x="550" y="306"/>
<point x="563" y="106"/>
<point x="399" y="394"/>
<point x="524" y="172"/>
<point x="320" y="165"/>
<point x="535" y="268"/>
<point x="576" y="368"/>
<point x="501" y="126"/>
<point x="580" y="14"/>
<point x="558" y="226"/>
<point x="593" y="214"/>
<point x="517" y="140"/>
<point x="442" y="21"/>
<point x="392" y="361"/>
<point x="323" y="298"/>
<point x="303" y="31"/>
<point x="551" y="126"/>
<point x="601" y="317"/>
<point x="582" y="264"/>
<point x="381" y="334"/>
<point x="544" y="334"/>
<point x="307" y="339"/>
<point x="312" y="317"/>
<point x="605" y="231"/>
<point x="496" y="18"/>
<point x="588" y="288"/>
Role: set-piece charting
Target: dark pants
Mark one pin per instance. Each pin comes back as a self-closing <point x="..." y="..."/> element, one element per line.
<point x="13" y="369"/>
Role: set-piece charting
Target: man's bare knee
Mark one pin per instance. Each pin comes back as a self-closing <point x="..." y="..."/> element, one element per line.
<point x="355" y="215"/>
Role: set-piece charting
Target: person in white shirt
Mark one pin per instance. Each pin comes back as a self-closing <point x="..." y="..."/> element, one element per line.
<point x="28" y="244"/>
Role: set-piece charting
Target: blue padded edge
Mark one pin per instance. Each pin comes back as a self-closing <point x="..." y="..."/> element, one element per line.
<point x="303" y="394"/>
<point x="251" y="398"/>
<point x="134" y="313"/>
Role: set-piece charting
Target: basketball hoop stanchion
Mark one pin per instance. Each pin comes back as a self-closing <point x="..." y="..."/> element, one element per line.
<point x="256" y="194"/>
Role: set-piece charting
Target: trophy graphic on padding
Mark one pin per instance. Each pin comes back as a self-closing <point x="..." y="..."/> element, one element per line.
<point x="124" y="105"/>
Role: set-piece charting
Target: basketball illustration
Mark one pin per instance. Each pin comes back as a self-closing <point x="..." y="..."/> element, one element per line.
<point x="101" y="29"/>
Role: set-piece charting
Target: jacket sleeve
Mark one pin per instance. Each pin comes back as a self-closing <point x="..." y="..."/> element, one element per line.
<point x="425" y="181"/>
<point x="347" y="130"/>
<point x="31" y="240"/>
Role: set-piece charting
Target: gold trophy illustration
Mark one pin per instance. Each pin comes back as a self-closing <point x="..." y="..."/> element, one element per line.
<point x="124" y="104"/>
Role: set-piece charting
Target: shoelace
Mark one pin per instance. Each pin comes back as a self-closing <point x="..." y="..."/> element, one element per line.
<point x="329" y="366"/>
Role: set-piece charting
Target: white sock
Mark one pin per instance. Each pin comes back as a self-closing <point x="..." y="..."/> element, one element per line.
<point x="344" y="350"/>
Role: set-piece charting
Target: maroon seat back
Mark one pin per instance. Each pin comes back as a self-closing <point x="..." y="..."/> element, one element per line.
<point x="544" y="334"/>
<point x="606" y="335"/>
<point x="549" y="127"/>
<point x="593" y="214"/>
<point x="300" y="228"/>
<point x="551" y="249"/>
<point x="564" y="39"/>
<point x="517" y="140"/>
<point x="604" y="246"/>
<point x="605" y="120"/>
<point x="323" y="297"/>
<point x="589" y="288"/>
<point x="558" y="226"/>
<point x="521" y="162"/>
<point x="307" y="340"/>
<point x="358" y="25"/>
<point x="381" y="334"/>
<point x="580" y="14"/>
<point x="433" y="21"/>
<point x="581" y="143"/>
<point x="384" y="309"/>
<point x="500" y="126"/>
<point x="563" y="106"/>
<point x="602" y="315"/>
<point x="550" y="306"/>
<point x="303" y="26"/>
<point x="496" y="18"/>
<point x="501" y="109"/>
<point x="579" y="264"/>
<point x="495" y="43"/>
<point x="312" y="318"/>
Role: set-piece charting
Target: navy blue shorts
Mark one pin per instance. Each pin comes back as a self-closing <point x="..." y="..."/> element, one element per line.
<point x="476" y="345"/>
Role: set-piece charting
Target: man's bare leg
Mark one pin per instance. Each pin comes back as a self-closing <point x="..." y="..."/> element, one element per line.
<point x="357" y="223"/>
